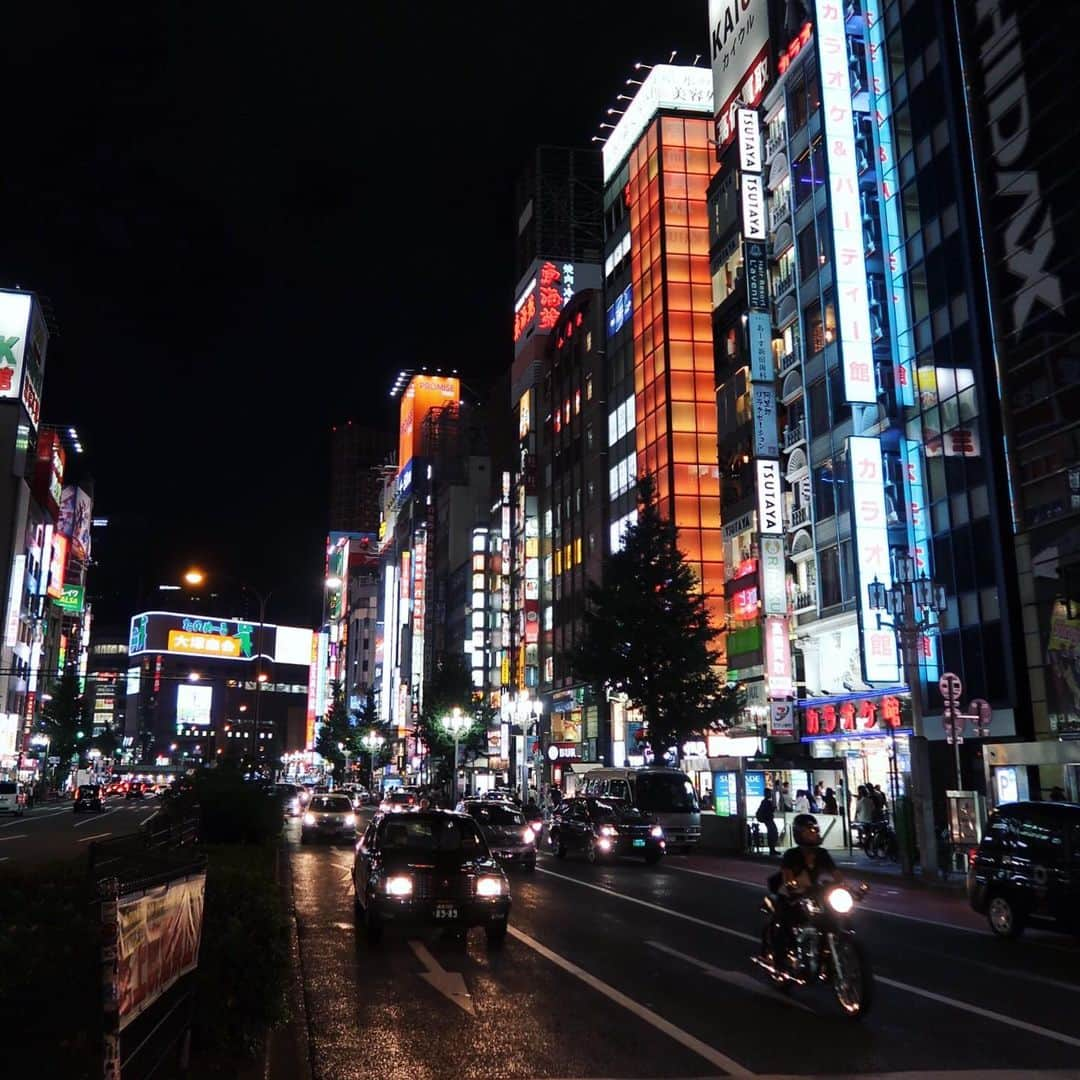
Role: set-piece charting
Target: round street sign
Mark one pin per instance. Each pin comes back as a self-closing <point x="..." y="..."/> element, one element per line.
<point x="950" y="686"/>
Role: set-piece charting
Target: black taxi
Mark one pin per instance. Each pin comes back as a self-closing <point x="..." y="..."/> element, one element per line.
<point x="1026" y="870"/>
<point x="429" y="868"/>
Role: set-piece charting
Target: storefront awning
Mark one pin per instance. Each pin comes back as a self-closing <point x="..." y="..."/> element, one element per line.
<point x="584" y="766"/>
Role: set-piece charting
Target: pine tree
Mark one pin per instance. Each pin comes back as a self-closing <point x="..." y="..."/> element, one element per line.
<point x="337" y="734"/>
<point x="648" y="636"/>
<point x="450" y="688"/>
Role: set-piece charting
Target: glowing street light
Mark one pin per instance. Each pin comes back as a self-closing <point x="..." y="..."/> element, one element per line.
<point x="194" y="577"/>
<point x="456" y="723"/>
<point x="333" y="582"/>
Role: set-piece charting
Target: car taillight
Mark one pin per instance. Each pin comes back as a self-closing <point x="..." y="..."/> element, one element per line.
<point x="972" y="853"/>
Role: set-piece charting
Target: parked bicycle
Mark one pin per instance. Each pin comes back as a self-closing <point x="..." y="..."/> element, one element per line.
<point x="878" y="840"/>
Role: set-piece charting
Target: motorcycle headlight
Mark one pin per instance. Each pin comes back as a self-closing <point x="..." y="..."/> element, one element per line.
<point x="350" y="819"/>
<point x="608" y="830"/>
<point x="656" y="832"/>
<point x="309" y="819"/>
<point x="489" y="886"/>
<point x="528" y="835"/>
<point x="400" y="885"/>
<point x="840" y="901"/>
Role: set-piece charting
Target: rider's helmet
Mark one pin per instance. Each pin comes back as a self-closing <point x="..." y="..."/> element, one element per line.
<point x="806" y="831"/>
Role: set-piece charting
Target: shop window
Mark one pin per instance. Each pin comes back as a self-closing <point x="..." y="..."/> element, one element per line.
<point x="802" y="179"/>
<point x="813" y="90"/>
<point x="829" y="585"/>
<point x="808" y="250"/>
<point x="815" y="327"/>
<point x="818" y="404"/>
<point x="824" y="491"/>
<point x="796" y="108"/>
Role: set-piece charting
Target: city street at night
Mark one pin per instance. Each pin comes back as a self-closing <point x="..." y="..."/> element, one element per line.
<point x="52" y="833"/>
<point x="628" y="971"/>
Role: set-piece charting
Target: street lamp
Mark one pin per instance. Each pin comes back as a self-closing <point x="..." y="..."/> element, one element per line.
<point x="912" y="601"/>
<point x="372" y="744"/>
<point x="523" y="710"/>
<point x="341" y="746"/>
<point x="455" y="724"/>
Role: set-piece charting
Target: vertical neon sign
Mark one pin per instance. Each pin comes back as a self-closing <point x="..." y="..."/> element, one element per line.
<point x="860" y="384"/>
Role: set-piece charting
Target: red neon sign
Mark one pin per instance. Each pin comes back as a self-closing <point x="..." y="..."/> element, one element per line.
<point x="795" y="47"/>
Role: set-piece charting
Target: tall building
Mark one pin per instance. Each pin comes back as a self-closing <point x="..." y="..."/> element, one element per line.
<point x="859" y="432"/>
<point x="572" y="466"/>
<point x="1019" y="67"/>
<point x="661" y="404"/>
<point x="356" y="454"/>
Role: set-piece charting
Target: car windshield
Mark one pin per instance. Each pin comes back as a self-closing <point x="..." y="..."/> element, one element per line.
<point x="614" y="810"/>
<point x="401" y="796"/>
<point x="496" y="815"/>
<point x="426" y="834"/>
<point x="335" y="804"/>
<point x="665" y="793"/>
<point x="7" y="788"/>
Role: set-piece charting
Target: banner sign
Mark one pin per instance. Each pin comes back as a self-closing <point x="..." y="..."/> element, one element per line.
<point x="756" y="265"/>
<point x="157" y="942"/>
<point x="763" y="398"/>
<point x="759" y="327"/>
<point x="770" y="514"/>
<point x="773" y="576"/>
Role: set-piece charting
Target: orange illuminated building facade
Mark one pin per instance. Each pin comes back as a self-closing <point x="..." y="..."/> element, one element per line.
<point x="674" y="387"/>
<point x="423" y="393"/>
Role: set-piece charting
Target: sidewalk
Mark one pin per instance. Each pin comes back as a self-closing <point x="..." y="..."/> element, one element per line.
<point x="890" y="893"/>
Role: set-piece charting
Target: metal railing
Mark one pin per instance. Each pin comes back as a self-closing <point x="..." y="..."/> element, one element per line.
<point x="779" y="212"/>
<point x="800" y="516"/>
<point x="794" y="434"/>
<point x="775" y="141"/>
<point x="783" y="285"/>
<point x="788" y="361"/>
<point x="804" y="599"/>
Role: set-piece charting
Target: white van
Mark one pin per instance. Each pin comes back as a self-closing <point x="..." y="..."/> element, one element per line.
<point x="665" y="794"/>
<point x="12" y="797"/>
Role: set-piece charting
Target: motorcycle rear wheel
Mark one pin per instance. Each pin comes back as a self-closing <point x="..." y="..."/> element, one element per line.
<point x="853" y="977"/>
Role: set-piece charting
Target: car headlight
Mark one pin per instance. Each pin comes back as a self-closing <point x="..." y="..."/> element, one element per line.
<point x="350" y="819"/>
<point x="528" y="835"/>
<point x="309" y="819"/>
<point x="400" y="885"/>
<point x="608" y="830"/>
<point x="840" y="901"/>
<point x="489" y="886"/>
<point x="656" y="832"/>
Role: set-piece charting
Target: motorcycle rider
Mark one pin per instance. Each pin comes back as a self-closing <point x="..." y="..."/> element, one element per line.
<point x="801" y="870"/>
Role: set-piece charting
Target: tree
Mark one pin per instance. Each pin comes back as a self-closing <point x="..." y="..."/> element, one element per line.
<point x="450" y="688"/>
<point x="63" y="721"/>
<point x="337" y="731"/>
<point x="647" y="633"/>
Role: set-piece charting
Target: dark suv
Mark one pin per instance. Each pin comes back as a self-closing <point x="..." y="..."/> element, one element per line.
<point x="88" y="797"/>
<point x="1027" y="868"/>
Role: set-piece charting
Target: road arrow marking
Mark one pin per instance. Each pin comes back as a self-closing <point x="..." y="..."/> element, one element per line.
<point x="451" y="984"/>
<point x="741" y="979"/>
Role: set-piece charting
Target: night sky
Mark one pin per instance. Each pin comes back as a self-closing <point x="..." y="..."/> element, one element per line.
<point x="247" y="217"/>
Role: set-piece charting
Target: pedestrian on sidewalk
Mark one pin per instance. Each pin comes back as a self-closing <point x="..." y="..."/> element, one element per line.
<point x="829" y="803"/>
<point x="766" y="814"/>
<point x="802" y="802"/>
<point x="880" y="801"/>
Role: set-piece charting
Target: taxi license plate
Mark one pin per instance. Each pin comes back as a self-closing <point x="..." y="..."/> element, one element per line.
<point x="445" y="911"/>
<point x="639" y="843"/>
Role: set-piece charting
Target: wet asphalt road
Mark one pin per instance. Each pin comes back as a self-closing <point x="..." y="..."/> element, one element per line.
<point x="629" y="971"/>
<point x="52" y="832"/>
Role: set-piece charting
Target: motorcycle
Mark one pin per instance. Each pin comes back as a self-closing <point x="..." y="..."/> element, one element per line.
<point x="820" y="945"/>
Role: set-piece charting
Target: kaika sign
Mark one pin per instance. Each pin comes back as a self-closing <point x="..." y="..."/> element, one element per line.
<point x="739" y="54"/>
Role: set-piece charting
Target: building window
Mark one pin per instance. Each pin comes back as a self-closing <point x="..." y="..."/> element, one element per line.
<point x="588" y="378"/>
<point x="829" y="585"/>
<point x="824" y="491"/>
<point x="808" y="263"/>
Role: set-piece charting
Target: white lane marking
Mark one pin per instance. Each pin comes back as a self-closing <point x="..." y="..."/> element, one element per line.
<point x="96" y="836"/>
<point x="33" y="817"/>
<point x="989" y="1014"/>
<point x="87" y="821"/>
<point x="146" y="819"/>
<point x="655" y="907"/>
<point x="684" y="1038"/>
<point x="1021" y="1025"/>
<point x="451" y="984"/>
<point x="741" y="979"/>
<point x="863" y="906"/>
<point x="17" y="836"/>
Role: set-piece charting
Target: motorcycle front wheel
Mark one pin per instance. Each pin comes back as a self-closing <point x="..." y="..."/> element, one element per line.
<point x="853" y="978"/>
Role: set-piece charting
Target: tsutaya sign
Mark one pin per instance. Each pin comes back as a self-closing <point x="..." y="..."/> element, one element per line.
<point x="770" y="515"/>
<point x="860" y="383"/>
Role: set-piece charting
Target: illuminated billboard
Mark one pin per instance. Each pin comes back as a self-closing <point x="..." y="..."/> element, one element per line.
<point x="739" y="52"/>
<point x="14" y="329"/>
<point x="686" y="89"/>
<point x="217" y="639"/>
<point x="870" y="526"/>
<point x="860" y="382"/>
<point x="193" y="704"/>
<point x="424" y="393"/>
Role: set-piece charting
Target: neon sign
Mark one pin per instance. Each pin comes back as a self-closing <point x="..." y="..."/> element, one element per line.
<point x="853" y="716"/>
<point x="860" y="384"/>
